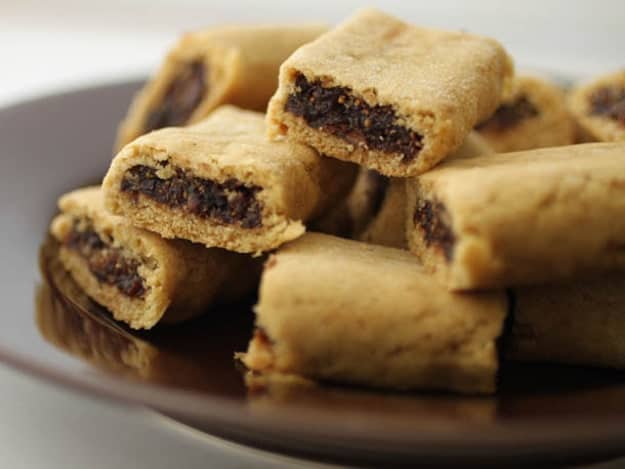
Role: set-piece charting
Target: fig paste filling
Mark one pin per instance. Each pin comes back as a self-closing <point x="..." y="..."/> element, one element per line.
<point x="181" y="98"/>
<point x="337" y="111"/>
<point x="508" y="115"/>
<point x="231" y="202"/>
<point x="107" y="263"/>
<point x="609" y="102"/>
<point x="434" y="221"/>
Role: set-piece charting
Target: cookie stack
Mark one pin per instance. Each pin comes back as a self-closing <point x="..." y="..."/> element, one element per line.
<point x="391" y="135"/>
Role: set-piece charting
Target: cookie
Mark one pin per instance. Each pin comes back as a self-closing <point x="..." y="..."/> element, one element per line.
<point x="578" y="323"/>
<point x="139" y="277"/>
<point x="387" y="226"/>
<point x="535" y="116"/>
<point x="520" y="218"/>
<point x="228" y="65"/>
<point x="349" y="312"/>
<point x="222" y="184"/>
<point x="387" y="95"/>
<point x="599" y="108"/>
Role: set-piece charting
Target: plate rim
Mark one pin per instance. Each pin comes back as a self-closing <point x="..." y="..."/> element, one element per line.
<point x="230" y="419"/>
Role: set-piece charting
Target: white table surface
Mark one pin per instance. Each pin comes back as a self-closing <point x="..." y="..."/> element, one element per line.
<point x="56" y="45"/>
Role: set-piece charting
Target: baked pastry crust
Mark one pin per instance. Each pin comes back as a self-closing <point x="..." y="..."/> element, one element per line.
<point x="340" y="310"/>
<point x="535" y="116"/>
<point x="238" y="65"/>
<point x="179" y="279"/>
<point x="604" y="120"/>
<point x="520" y="218"/>
<point x="280" y="185"/>
<point x="435" y="88"/>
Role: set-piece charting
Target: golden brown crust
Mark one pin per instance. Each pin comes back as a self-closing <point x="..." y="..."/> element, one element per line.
<point x="458" y="80"/>
<point x="597" y="127"/>
<point x="524" y="217"/>
<point x="241" y="64"/>
<point x="548" y="122"/>
<point x="296" y="183"/>
<point x="181" y="279"/>
<point x="351" y="312"/>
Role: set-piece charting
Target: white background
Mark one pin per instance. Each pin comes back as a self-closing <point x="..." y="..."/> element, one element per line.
<point x="47" y="46"/>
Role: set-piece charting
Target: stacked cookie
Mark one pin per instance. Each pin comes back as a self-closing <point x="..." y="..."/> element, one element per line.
<point x="385" y="133"/>
<point x="168" y="235"/>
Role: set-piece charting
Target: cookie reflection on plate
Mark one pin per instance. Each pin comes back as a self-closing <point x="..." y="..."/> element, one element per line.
<point x="89" y="340"/>
<point x="267" y="393"/>
<point x="185" y="356"/>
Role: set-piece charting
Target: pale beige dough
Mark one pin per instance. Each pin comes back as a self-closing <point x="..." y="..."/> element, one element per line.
<point x="339" y="310"/>
<point x="181" y="279"/>
<point x="545" y="122"/>
<point x="297" y="184"/>
<point x="521" y="218"/>
<point x="594" y="127"/>
<point x="240" y="67"/>
<point x="439" y="84"/>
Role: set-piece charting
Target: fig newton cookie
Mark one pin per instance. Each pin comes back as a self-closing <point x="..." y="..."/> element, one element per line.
<point x="138" y="276"/>
<point x="387" y="95"/>
<point x="535" y="116"/>
<point x="521" y="218"/>
<point x="205" y="69"/>
<point x="222" y="184"/>
<point x="599" y="108"/>
<point x="349" y="312"/>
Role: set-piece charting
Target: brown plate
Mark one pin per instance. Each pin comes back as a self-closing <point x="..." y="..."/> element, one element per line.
<point x="543" y="414"/>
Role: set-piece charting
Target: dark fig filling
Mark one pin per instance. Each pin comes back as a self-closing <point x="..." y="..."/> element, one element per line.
<point x="107" y="263"/>
<point x="182" y="97"/>
<point x="231" y="202"/>
<point x="609" y="102"/>
<point x="509" y="115"/>
<point x="434" y="221"/>
<point x="337" y="111"/>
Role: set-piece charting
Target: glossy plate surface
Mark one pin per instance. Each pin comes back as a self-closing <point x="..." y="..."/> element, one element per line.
<point x="543" y="414"/>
